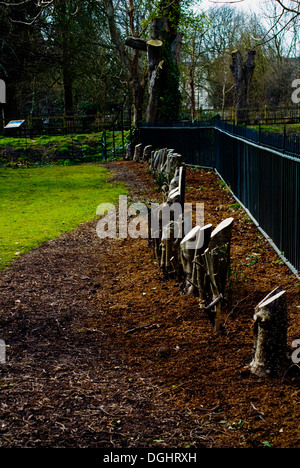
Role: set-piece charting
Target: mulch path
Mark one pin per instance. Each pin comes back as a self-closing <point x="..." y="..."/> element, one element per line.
<point x="75" y="378"/>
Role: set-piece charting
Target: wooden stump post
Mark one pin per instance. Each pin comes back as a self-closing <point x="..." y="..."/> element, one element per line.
<point x="138" y="153"/>
<point x="199" y="271"/>
<point x="147" y="153"/>
<point x="192" y="247"/>
<point x="220" y="247"/>
<point x="187" y="249"/>
<point x="217" y="262"/>
<point x="170" y="256"/>
<point x="270" y="336"/>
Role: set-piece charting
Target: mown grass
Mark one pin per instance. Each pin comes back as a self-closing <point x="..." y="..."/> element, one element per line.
<point x="38" y="204"/>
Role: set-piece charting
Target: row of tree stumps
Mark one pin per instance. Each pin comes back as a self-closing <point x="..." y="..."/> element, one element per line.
<point x="200" y="258"/>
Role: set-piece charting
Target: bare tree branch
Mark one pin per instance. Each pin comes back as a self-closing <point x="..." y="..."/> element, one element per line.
<point x="27" y="23"/>
<point x="15" y="4"/>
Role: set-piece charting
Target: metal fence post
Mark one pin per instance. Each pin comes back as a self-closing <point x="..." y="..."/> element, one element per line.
<point x="266" y="114"/>
<point x="104" y="149"/>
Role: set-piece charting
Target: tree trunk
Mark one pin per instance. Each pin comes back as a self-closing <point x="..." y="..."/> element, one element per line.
<point x="192" y="92"/>
<point x="132" y="64"/>
<point x="270" y="336"/>
<point x="243" y="73"/>
<point x="155" y="65"/>
<point x="163" y="56"/>
<point x="138" y="85"/>
<point x="11" y="108"/>
<point x="68" y="93"/>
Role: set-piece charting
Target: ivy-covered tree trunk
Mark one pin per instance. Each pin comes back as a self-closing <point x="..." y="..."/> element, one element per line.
<point x="163" y="73"/>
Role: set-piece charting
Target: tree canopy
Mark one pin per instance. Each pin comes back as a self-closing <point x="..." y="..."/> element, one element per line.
<point x="72" y="56"/>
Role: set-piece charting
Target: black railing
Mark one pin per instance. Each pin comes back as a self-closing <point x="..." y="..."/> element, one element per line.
<point x="262" y="170"/>
<point x="67" y="125"/>
<point x="283" y="142"/>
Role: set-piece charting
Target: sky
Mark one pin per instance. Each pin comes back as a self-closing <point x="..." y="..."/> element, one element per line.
<point x="245" y="5"/>
<point x="264" y="8"/>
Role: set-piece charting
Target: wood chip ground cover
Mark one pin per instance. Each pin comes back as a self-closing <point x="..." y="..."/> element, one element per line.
<point x="75" y="378"/>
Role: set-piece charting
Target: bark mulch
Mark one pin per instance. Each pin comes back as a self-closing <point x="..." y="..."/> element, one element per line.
<point x="78" y="376"/>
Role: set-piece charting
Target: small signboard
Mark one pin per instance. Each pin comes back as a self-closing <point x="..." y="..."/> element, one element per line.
<point x="15" y="124"/>
<point x="2" y="92"/>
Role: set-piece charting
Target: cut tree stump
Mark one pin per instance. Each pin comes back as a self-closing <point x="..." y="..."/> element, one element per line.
<point x="138" y="153"/>
<point x="199" y="271"/>
<point x="170" y="251"/>
<point x="270" y="336"/>
<point x="192" y="247"/>
<point x="217" y="267"/>
<point x="147" y="153"/>
<point x="187" y="258"/>
<point x="220" y="247"/>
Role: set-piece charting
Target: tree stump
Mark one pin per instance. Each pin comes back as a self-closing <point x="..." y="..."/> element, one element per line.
<point x="138" y="153"/>
<point x="187" y="249"/>
<point x="270" y="336"/>
<point x="219" y="247"/>
<point x="147" y="153"/>
<point x="192" y="247"/>
<point x="175" y="181"/>
<point x="159" y="158"/>
<point x="217" y="266"/>
<point x="170" y="256"/>
<point x="199" y="271"/>
<point x="129" y="156"/>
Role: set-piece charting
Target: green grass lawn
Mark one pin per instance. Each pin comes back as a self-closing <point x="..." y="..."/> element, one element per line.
<point x="38" y="204"/>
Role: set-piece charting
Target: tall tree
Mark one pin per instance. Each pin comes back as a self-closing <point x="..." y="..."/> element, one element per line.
<point x="163" y="57"/>
<point x="195" y="29"/>
<point x="163" y="51"/>
<point x="71" y="37"/>
<point x="21" y="45"/>
<point x="243" y="73"/>
<point x="131" y="58"/>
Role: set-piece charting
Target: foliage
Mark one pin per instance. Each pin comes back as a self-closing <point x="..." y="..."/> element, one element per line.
<point x="39" y="204"/>
<point x="89" y="68"/>
<point x="170" y="97"/>
<point x="83" y="71"/>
